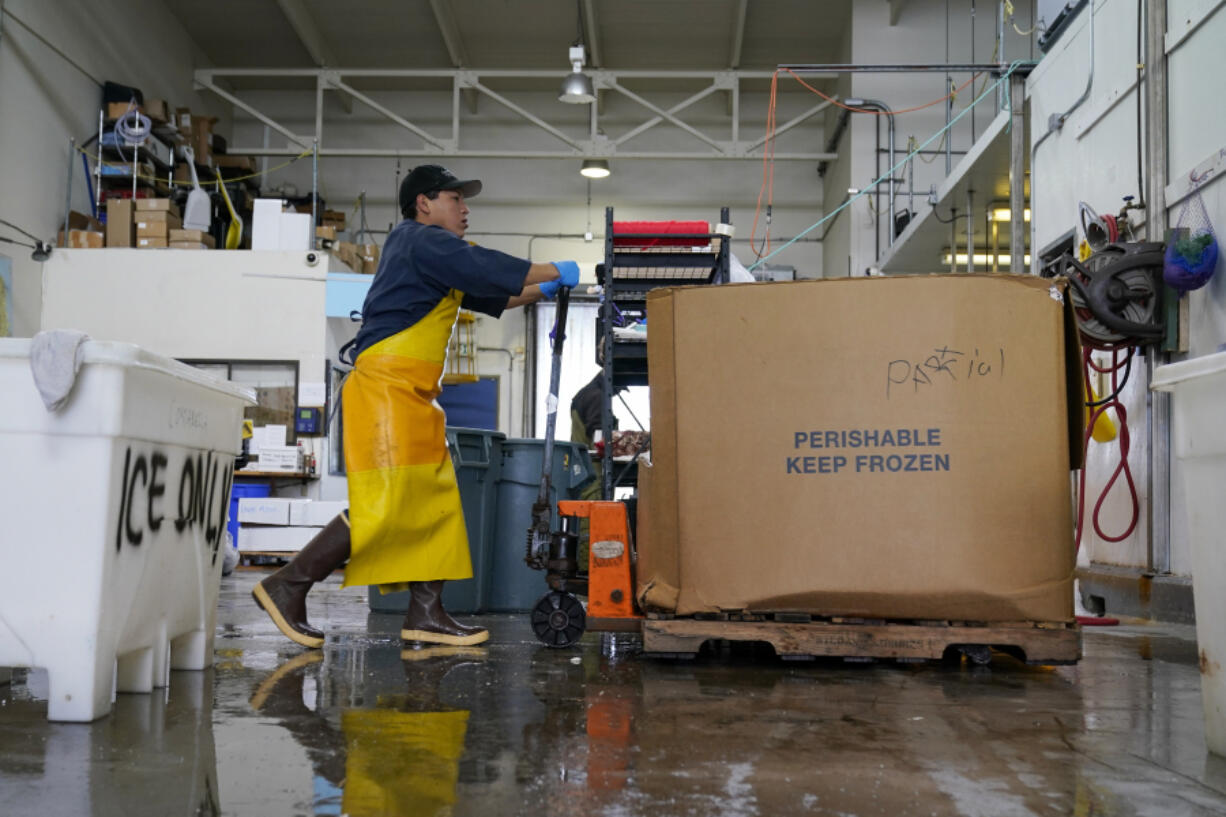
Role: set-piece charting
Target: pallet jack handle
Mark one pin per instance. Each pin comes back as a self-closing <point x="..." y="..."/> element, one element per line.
<point x="542" y="515"/>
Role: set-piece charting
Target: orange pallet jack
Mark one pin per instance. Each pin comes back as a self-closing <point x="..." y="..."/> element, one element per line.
<point x="607" y="581"/>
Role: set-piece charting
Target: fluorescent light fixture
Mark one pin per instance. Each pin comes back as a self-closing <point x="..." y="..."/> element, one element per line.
<point x="1005" y="214"/>
<point x="577" y="87"/>
<point x="983" y="259"/>
<point x="851" y="191"/>
<point x="595" y="168"/>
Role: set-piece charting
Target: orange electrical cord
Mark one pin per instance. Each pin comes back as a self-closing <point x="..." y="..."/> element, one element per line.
<point x="768" y="150"/>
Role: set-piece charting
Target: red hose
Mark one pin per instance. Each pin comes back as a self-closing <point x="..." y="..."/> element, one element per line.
<point x="1125" y="440"/>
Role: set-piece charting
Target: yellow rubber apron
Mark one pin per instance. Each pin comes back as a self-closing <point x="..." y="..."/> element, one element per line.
<point x="404" y="504"/>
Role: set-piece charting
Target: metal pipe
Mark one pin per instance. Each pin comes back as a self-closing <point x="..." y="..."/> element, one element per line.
<point x="314" y="189"/>
<point x="72" y="159"/>
<point x="970" y="230"/>
<point x="874" y="104"/>
<point x="846" y="68"/>
<point x="840" y="125"/>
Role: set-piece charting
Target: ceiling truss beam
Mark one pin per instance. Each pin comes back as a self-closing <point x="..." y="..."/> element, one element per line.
<point x="455" y="44"/>
<point x="729" y="147"/>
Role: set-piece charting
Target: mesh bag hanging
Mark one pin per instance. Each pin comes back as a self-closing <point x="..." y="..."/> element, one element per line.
<point x="1191" y="256"/>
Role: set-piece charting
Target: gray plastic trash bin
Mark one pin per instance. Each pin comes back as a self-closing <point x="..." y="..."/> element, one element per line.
<point x="477" y="456"/>
<point x="515" y="587"/>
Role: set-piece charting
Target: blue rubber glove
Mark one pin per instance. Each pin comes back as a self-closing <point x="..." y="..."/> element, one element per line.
<point x="568" y="272"/>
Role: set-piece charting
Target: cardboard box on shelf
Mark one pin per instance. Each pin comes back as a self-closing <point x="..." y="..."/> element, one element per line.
<point x="333" y="218"/>
<point x="368" y="254"/>
<point x="202" y="137"/>
<point x="120" y="225"/>
<point x="151" y="243"/>
<point x="83" y="239"/>
<point x="115" y="110"/>
<point x="190" y="245"/>
<point x="347" y="252"/>
<point x="193" y="237"/>
<point x="915" y="473"/>
<point x="183" y="121"/>
<point x="326" y="233"/>
<point x="78" y="222"/>
<point x="157" y="110"/>
<point x="144" y="206"/>
<point x="156" y="224"/>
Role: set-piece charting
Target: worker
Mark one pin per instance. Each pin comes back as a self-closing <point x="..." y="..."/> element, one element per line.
<point x="404" y="526"/>
<point x="585" y="412"/>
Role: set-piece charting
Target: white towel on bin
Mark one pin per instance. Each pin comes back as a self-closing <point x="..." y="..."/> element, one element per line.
<point x="55" y="359"/>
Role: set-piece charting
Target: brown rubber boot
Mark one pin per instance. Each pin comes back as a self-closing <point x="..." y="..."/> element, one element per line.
<point x="283" y="594"/>
<point x="428" y="622"/>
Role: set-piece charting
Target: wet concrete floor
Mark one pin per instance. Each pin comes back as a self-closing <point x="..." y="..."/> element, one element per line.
<point x="363" y="727"/>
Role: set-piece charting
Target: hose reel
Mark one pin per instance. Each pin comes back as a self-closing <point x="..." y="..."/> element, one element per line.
<point x="1117" y="295"/>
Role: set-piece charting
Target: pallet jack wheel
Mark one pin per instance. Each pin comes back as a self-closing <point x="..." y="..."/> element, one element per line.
<point x="558" y="619"/>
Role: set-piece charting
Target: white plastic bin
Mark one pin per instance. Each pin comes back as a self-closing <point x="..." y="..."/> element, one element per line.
<point x="114" y="512"/>
<point x="1198" y="389"/>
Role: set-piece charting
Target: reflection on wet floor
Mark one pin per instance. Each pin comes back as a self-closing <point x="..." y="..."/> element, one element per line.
<point x="367" y="727"/>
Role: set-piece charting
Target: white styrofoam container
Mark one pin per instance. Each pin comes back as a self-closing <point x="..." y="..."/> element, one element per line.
<point x="269" y="538"/>
<point x="1198" y="400"/>
<point x="266" y="510"/>
<point x="295" y="231"/>
<point x="266" y="224"/>
<point x="114" y="513"/>
<point x="318" y="512"/>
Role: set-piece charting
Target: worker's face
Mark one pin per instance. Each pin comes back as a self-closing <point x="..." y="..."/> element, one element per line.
<point x="447" y="210"/>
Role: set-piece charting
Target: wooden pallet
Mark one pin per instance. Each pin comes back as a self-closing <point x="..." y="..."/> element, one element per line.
<point x="850" y="639"/>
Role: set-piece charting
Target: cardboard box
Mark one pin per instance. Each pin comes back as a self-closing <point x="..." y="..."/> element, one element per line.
<point x="83" y="239"/>
<point x="120" y="225"/>
<point x="347" y="252"/>
<point x="315" y="512"/>
<point x="190" y="245"/>
<point x="877" y="447"/>
<point x="269" y="538"/>
<point x="266" y="510"/>
<point x="193" y="237"/>
<point x="151" y="243"/>
<point x="333" y="218"/>
<point x="144" y="206"/>
<point x="157" y="110"/>
<point x="202" y="137"/>
<point x="368" y="254"/>
<point x="183" y="121"/>
<point x="326" y="232"/>
<point x="114" y="110"/>
<point x="156" y="224"/>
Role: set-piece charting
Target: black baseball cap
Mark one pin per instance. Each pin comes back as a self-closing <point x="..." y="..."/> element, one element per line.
<point x="424" y="178"/>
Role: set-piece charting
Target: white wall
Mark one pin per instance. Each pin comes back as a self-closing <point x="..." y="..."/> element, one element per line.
<point x="44" y="101"/>
<point x="922" y="35"/>
<point x="1093" y="159"/>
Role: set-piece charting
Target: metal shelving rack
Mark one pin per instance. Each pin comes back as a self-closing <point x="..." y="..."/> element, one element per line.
<point x="627" y="275"/>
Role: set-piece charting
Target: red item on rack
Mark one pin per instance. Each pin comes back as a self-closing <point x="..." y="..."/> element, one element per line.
<point x="682" y="227"/>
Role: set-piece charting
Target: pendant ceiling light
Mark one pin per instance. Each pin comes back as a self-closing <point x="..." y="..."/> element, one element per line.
<point x="595" y="168"/>
<point x="577" y="87"/>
